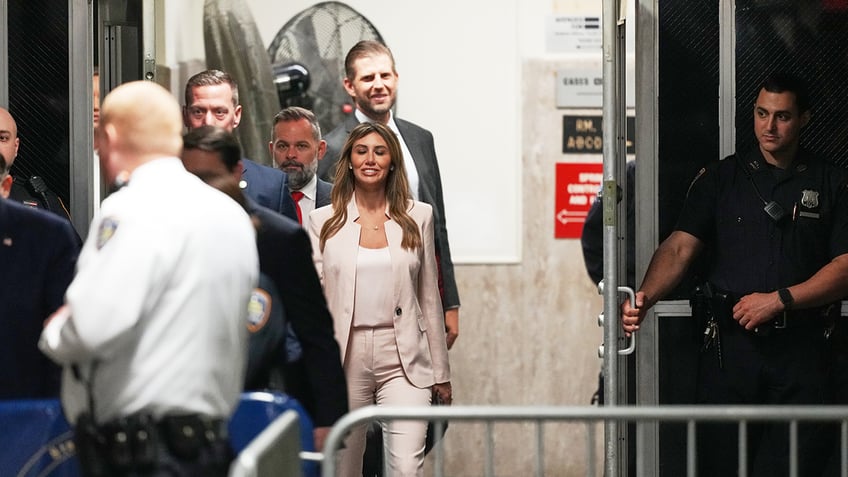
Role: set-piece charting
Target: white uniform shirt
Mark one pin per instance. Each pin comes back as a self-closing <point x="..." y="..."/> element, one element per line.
<point x="158" y="303"/>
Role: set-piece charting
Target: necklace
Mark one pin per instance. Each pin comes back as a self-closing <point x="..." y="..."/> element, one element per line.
<point x="376" y="227"/>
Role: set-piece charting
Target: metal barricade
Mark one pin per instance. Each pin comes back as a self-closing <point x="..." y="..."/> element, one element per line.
<point x="273" y="452"/>
<point x="591" y="417"/>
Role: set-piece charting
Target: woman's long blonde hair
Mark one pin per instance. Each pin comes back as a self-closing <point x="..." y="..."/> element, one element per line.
<point x="397" y="187"/>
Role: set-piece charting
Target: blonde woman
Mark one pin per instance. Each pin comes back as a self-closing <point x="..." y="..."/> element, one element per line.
<point x="374" y="251"/>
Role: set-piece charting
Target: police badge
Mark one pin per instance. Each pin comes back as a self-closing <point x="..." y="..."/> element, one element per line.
<point x="810" y="199"/>
<point x="809" y="204"/>
<point x="106" y="230"/>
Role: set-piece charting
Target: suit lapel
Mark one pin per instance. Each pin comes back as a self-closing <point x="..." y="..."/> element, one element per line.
<point x="350" y="123"/>
<point x="394" y="235"/>
<point x="413" y="143"/>
<point x="322" y="193"/>
<point x="350" y="241"/>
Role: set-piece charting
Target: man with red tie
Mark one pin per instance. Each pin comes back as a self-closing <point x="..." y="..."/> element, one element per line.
<point x="296" y="147"/>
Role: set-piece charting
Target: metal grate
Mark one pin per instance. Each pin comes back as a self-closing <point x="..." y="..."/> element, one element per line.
<point x="688" y="99"/>
<point x="688" y="138"/>
<point x="803" y="37"/>
<point x="38" y="89"/>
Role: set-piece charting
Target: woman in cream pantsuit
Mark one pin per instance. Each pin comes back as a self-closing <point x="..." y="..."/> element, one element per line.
<point x="374" y="251"/>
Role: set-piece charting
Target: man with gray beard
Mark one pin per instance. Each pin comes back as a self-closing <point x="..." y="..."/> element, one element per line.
<point x="296" y="147"/>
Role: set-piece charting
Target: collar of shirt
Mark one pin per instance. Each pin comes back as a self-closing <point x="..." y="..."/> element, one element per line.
<point x="152" y="169"/>
<point x="391" y="124"/>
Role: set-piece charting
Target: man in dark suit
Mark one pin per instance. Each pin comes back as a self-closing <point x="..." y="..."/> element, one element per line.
<point x="371" y="80"/>
<point x="38" y="253"/>
<point x="211" y="98"/>
<point x="297" y="149"/>
<point x="285" y="255"/>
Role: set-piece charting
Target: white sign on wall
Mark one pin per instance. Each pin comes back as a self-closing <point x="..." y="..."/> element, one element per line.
<point x="582" y="34"/>
<point x="579" y="88"/>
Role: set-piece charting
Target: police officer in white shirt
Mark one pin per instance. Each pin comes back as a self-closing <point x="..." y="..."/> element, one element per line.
<point x="152" y="332"/>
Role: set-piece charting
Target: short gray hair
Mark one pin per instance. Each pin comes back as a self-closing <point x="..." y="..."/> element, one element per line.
<point x="296" y="113"/>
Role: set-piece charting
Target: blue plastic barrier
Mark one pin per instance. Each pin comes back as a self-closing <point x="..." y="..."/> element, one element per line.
<point x="36" y="440"/>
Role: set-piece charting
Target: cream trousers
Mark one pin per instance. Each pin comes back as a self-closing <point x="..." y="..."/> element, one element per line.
<point x="375" y="375"/>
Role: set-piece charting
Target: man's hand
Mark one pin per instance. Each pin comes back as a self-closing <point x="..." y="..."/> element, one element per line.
<point x="632" y="316"/>
<point x="319" y="435"/>
<point x="757" y="308"/>
<point x="451" y="325"/>
<point x="443" y="393"/>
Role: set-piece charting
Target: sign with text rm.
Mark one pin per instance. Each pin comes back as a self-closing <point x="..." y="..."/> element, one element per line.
<point x="584" y="135"/>
<point x="581" y="34"/>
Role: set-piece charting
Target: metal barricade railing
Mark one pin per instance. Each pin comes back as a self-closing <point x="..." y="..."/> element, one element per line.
<point x="273" y="452"/>
<point x="591" y="416"/>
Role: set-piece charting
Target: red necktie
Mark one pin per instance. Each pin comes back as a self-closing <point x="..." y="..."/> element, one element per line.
<point x="297" y="195"/>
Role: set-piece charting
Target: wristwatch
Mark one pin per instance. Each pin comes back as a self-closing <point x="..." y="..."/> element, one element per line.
<point x="785" y="298"/>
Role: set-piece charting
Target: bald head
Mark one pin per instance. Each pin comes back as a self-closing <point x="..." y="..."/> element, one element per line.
<point x="145" y="117"/>
<point x="139" y="121"/>
<point x="8" y="137"/>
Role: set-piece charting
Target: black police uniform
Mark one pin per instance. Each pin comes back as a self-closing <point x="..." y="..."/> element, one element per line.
<point x="786" y="360"/>
<point x="33" y="192"/>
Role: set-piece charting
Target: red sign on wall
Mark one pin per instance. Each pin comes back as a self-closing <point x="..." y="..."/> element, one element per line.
<point x="577" y="187"/>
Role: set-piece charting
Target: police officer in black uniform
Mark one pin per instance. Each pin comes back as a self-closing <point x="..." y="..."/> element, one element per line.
<point x="31" y="191"/>
<point x="776" y="223"/>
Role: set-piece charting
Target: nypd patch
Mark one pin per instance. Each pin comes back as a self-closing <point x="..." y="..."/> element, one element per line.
<point x="258" y="310"/>
<point x="107" y="229"/>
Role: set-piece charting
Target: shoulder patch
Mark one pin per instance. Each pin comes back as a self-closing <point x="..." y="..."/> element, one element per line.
<point x="258" y="310"/>
<point x="107" y="229"/>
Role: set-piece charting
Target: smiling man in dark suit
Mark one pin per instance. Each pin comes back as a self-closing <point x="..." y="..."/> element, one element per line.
<point x="38" y="253"/>
<point x="371" y="80"/>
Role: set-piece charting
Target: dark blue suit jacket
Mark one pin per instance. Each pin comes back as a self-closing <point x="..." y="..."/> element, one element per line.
<point x="38" y="255"/>
<point x="268" y="187"/>
<point x="285" y="255"/>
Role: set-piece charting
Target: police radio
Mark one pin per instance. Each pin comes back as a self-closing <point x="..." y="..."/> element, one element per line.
<point x="774" y="210"/>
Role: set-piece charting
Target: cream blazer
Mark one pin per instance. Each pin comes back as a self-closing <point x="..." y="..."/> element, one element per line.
<point x="417" y="316"/>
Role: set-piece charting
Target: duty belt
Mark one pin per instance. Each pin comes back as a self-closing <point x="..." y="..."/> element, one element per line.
<point x="819" y="317"/>
<point x="132" y="442"/>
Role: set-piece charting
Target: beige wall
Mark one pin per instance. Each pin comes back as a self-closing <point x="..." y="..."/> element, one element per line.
<point x="529" y="333"/>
